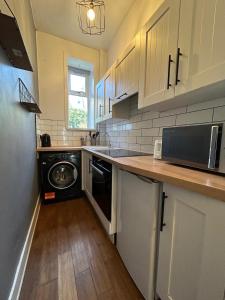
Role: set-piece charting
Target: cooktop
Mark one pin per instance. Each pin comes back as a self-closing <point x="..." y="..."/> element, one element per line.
<point x="121" y="153"/>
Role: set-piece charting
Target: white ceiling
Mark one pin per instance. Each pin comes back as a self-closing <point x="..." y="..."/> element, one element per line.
<point x="59" y="17"/>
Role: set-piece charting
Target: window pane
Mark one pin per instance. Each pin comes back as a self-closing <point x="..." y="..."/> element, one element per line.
<point x="78" y="112"/>
<point x="77" y="83"/>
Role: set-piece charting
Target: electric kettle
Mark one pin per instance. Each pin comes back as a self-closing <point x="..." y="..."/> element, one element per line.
<point x="45" y="140"/>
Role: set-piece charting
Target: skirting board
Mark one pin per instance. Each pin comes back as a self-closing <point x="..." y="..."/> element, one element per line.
<point x="21" y="267"/>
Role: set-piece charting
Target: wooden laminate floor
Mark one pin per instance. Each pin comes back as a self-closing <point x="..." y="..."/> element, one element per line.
<point x="72" y="258"/>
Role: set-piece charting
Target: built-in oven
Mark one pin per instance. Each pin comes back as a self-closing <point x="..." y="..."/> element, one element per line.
<point x="199" y="146"/>
<point x="102" y="185"/>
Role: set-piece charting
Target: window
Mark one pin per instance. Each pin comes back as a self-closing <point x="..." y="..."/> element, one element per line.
<point x="80" y="112"/>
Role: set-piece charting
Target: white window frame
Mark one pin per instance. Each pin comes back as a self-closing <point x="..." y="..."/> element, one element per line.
<point x="86" y="74"/>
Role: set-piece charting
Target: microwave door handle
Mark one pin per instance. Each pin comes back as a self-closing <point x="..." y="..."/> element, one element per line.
<point x="213" y="147"/>
<point x="97" y="170"/>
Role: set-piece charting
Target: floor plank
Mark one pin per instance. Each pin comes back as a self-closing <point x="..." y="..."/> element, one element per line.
<point x="48" y="291"/>
<point x="72" y="257"/>
<point x="66" y="279"/>
<point x="109" y="295"/>
<point x="122" y="284"/>
<point x="100" y="275"/>
<point x="85" y="286"/>
<point x="80" y="259"/>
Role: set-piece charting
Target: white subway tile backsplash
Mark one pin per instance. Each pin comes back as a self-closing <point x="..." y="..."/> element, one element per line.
<point x="172" y="112"/>
<point x="206" y="105"/>
<point x="61" y="123"/>
<point x="135" y="147"/>
<point x="147" y="148"/>
<point x="131" y="139"/>
<point x="147" y="126"/>
<point x="123" y="132"/>
<point x="144" y="140"/>
<point x="61" y="127"/>
<point x="165" y="121"/>
<point x="150" y="132"/>
<point x="197" y="117"/>
<point x="60" y="135"/>
<point x="136" y="118"/>
<point x="123" y="145"/>
<point x="141" y="130"/>
<point x="150" y="115"/>
<point x="53" y="132"/>
<point x="128" y="126"/>
<point x="135" y="132"/>
<point x="219" y="114"/>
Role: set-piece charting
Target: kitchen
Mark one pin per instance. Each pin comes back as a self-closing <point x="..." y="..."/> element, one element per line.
<point x="112" y="150"/>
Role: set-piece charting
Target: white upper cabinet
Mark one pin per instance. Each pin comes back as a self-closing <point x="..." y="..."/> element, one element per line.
<point x="105" y="98"/>
<point x="109" y="93"/>
<point x="183" y="50"/>
<point x="127" y="71"/>
<point x="191" y="247"/>
<point x="202" y="44"/>
<point x="158" y="52"/>
<point x="100" y="110"/>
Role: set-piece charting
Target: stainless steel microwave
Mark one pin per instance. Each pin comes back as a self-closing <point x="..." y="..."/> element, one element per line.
<point x="198" y="146"/>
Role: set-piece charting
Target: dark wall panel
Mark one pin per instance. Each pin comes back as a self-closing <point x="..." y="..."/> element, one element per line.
<point x="18" y="171"/>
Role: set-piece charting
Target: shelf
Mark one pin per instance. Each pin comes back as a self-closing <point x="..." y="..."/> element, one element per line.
<point x="27" y="100"/>
<point x="12" y="43"/>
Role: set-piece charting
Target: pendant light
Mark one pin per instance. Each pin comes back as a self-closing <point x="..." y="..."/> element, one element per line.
<point x="91" y="16"/>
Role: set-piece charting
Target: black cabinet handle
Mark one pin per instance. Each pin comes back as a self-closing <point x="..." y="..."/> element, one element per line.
<point x="177" y="66"/>
<point x="89" y="169"/>
<point x="109" y="105"/>
<point x="162" y="224"/>
<point x="124" y="94"/>
<point x="168" y="75"/>
<point x="100" y="110"/>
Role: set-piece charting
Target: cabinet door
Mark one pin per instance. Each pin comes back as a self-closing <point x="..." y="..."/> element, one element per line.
<point x="158" y="50"/>
<point x="127" y="70"/>
<point x="136" y="228"/>
<point x="109" y="84"/>
<point x="87" y="184"/>
<point x="191" y="247"/>
<point x="99" y="101"/>
<point x="202" y="44"/>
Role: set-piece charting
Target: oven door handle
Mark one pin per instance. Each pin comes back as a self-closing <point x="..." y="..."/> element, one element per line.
<point x="97" y="170"/>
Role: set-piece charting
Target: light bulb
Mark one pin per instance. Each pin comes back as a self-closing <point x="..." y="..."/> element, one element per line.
<point x="91" y="14"/>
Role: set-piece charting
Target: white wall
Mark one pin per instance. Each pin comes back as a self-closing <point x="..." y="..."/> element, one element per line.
<point x="53" y="53"/>
<point x="137" y="16"/>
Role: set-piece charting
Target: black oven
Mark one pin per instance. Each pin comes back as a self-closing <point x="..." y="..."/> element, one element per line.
<point x="199" y="146"/>
<point x="102" y="185"/>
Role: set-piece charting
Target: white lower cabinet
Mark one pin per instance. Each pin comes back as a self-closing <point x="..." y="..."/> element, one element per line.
<point x="191" y="262"/>
<point x="137" y="210"/>
<point x="86" y="175"/>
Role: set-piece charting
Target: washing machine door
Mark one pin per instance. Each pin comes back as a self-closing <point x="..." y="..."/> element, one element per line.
<point x="62" y="175"/>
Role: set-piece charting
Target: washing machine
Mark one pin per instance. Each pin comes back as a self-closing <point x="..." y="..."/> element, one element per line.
<point x="60" y="174"/>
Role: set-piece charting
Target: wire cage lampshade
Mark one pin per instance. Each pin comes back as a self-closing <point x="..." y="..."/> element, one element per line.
<point x="91" y="16"/>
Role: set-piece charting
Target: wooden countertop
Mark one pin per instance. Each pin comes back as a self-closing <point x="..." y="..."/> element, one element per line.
<point x="208" y="184"/>
<point x="54" y="149"/>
